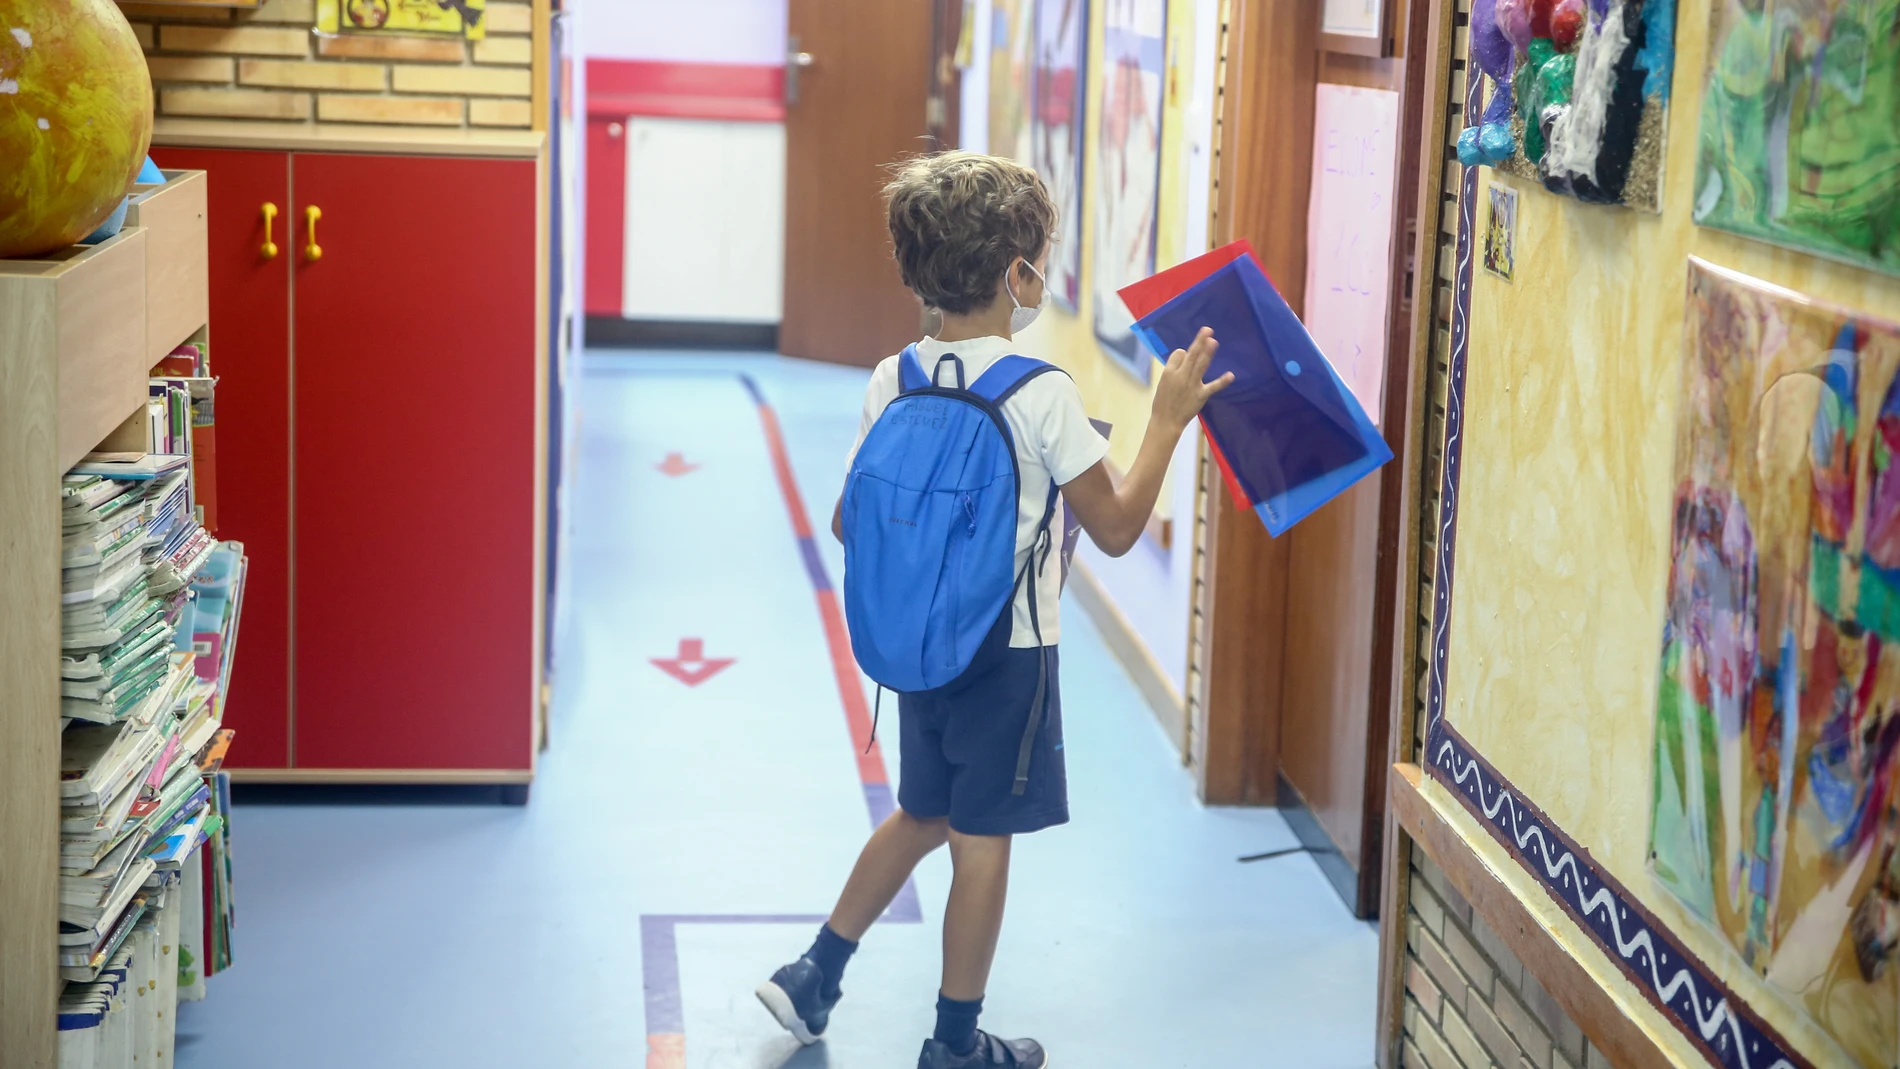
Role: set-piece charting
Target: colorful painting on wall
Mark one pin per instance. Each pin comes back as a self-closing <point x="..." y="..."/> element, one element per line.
<point x="1800" y="137"/>
<point x="1127" y="173"/>
<point x="1774" y="815"/>
<point x="1500" y="232"/>
<point x="1012" y="35"/>
<point x="1579" y="95"/>
<point x="1062" y="40"/>
<point x="457" y="18"/>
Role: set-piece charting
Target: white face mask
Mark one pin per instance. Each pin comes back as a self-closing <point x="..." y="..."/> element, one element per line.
<point x="1020" y="317"/>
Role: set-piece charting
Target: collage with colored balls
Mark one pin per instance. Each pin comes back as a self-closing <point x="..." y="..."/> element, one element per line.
<point x="1578" y="91"/>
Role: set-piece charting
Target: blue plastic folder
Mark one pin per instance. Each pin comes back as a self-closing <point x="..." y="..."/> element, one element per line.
<point x="1291" y="434"/>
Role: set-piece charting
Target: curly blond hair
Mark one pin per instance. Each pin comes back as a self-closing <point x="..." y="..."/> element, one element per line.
<point x="958" y="219"/>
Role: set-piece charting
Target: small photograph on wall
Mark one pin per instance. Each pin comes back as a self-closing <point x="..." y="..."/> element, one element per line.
<point x="455" y="18"/>
<point x="1775" y="816"/>
<point x="1127" y="174"/>
<point x="1800" y="137"/>
<point x="1578" y="95"/>
<point x="1500" y="232"/>
<point x="1060" y="85"/>
<point x="1012" y="36"/>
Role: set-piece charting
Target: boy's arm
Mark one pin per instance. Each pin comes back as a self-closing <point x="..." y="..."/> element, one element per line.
<point x="1114" y="518"/>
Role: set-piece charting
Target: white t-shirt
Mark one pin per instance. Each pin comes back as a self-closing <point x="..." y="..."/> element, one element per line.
<point x="1054" y="440"/>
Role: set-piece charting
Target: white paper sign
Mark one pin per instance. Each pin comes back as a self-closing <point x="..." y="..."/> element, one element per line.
<point x="1349" y="234"/>
<point x="1357" y="18"/>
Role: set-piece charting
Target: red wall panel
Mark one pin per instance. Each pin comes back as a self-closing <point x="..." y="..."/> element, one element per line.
<point x="606" y="216"/>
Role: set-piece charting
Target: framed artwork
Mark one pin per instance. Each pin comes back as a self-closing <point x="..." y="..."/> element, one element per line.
<point x="1774" y="815"/>
<point x="1500" y="232"/>
<point x="455" y="18"/>
<point x="1011" y="38"/>
<point x="1799" y="142"/>
<point x="1127" y="174"/>
<point x="1059" y="89"/>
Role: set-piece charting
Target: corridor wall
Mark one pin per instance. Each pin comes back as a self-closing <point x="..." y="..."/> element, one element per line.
<point x="1143" y="600"/>
<point x="1562" y="401"/>
<point x="677" y="90"/>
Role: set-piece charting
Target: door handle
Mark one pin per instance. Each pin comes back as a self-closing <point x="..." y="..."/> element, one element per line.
<point x="795" y="61"/>
<point x="269" y="249"/>
<point x="312" y="251"/>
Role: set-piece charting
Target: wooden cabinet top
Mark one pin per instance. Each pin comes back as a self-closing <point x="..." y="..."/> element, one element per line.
<point x="396" y="140"/>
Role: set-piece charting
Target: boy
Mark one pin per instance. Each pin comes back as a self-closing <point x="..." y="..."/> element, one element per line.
<point x="968" y="231"/>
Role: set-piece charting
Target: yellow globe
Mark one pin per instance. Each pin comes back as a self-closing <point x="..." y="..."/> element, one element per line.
<point x="75" y="120"/>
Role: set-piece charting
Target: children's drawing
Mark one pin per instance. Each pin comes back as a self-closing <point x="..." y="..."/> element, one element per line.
<point x="459" y="18"/>
<point x="1579" y="91"/>
<point x="1127" y="176"/>
<point x="1012" y="24"/>
<point x="1800" y="136"/>
<point x="1062" y="36"/>
<point x="1778" y="709"/>
<point x="1500" y="233"/>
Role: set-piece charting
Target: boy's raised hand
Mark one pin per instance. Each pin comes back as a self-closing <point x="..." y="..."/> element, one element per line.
<point x="1182" y="389"/>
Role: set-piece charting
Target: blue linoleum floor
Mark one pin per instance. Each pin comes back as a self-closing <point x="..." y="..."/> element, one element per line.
<point x="373" y="936"/>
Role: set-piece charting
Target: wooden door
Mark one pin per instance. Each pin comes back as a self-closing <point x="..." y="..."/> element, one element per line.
<point x="860" y="105"/>
<point x="416" y="387"/>
<point x="250" y="354"/>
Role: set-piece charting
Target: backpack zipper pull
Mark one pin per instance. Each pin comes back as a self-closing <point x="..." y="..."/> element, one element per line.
<point x="969" y="507"/>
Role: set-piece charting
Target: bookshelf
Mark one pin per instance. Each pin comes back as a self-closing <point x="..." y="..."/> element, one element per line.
<point x="117" y="630"/>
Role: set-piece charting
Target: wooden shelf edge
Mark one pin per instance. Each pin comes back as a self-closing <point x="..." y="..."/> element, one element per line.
<point x="378" y="140"/>
<point x="1610" y="1011"/>
<point x="431" y="776"/>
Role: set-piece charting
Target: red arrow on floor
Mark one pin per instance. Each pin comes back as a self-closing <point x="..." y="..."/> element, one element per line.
<point x="691" y="666"/>
<point x="675" y="465"/>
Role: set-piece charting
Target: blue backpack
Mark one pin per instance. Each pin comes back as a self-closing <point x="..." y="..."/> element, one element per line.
<point x="930" y="529"/>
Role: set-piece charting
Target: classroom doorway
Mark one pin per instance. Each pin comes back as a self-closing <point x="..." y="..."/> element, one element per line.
<point x="858" y="85"/>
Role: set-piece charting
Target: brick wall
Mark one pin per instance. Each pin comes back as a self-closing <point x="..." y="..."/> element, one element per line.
<point x="265" y="63"/>
<point x="1469" y="1004"/>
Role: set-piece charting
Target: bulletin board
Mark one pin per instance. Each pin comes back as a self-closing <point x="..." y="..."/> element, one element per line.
<point x="1582" y="392"/>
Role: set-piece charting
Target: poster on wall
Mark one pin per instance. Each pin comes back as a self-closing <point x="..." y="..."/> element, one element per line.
<point x="1774" y="815"/>
<point x="1127" y="173"/>
<point x="1349" y="233"/>
<point x="455" y="18"/>
<point x="1578" y="95"/>
<point x="1012" y="36"/>
<point x="1353" y="18"/>
<point x="1800" y="135"/>
<point x="1500" y="232"/>
<point x="1059" y="81"/>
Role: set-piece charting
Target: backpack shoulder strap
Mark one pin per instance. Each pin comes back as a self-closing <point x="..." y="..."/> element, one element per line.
<point x="910" y="370"/>
<point x="1006" y="376"/>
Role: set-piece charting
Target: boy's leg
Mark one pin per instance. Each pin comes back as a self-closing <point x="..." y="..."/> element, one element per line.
<point x="801" y="995"/>
<point x="886" y="862"/>
<point x="974" y="918"/>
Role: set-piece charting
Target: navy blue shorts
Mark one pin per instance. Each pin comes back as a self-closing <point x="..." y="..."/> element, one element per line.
<point x="960" y="744"/>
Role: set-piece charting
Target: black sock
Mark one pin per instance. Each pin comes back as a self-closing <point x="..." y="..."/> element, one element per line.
<point x="832" y="952"/>
<point x="956" y="1023"/>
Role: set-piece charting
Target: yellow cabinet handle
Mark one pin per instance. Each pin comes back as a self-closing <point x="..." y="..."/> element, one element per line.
<point x="312" y="251"/>
<point x="269" y="251"/>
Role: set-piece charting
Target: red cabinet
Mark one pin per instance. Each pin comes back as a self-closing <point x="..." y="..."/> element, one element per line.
<point x="377" y="441"/>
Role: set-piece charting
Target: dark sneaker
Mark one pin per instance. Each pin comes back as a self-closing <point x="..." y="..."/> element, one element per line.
<point x="989" y="1052"/>
<point x="795" y="995"/>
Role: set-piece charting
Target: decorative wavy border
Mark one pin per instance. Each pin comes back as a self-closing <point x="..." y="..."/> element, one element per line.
<point x="1713" y="1018"/>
